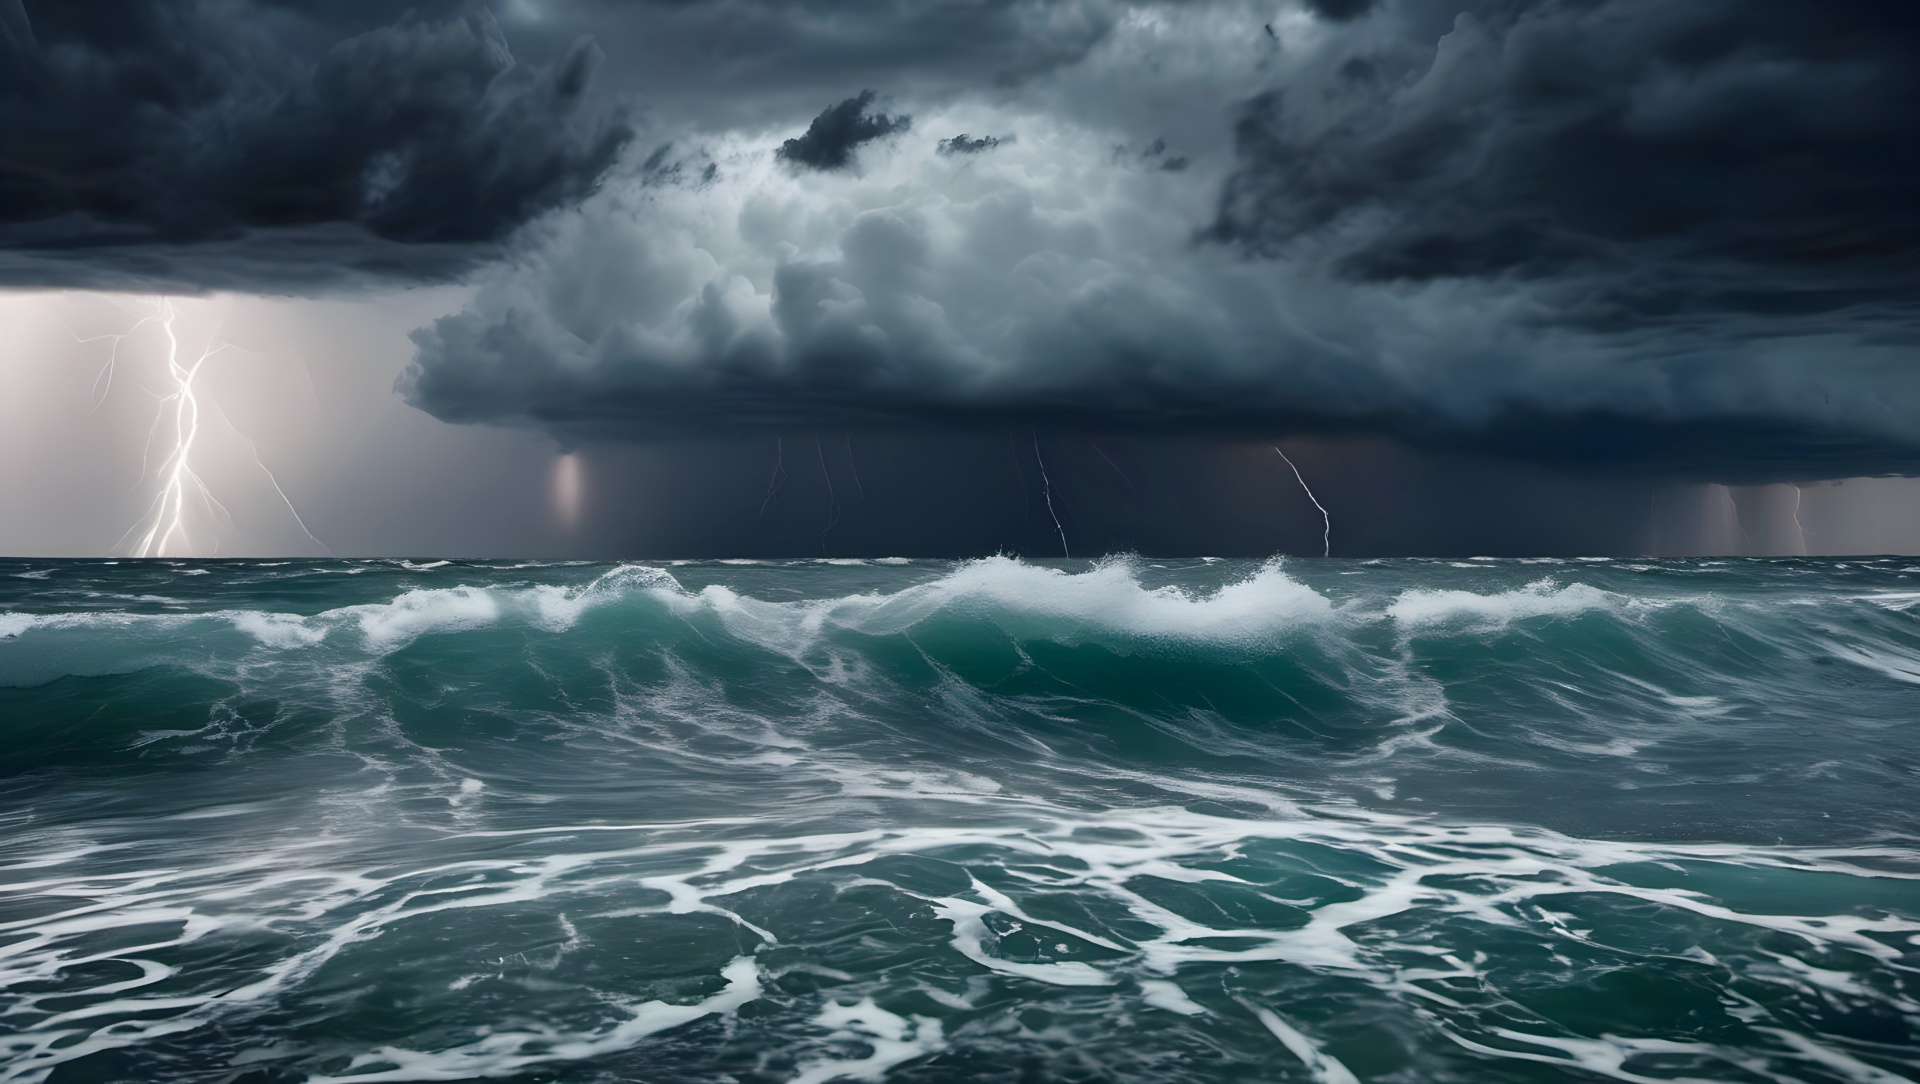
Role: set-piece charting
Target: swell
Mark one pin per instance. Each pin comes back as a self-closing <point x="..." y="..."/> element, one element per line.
<point x="1652" y="703"/>
<point x="1111" y="821"/>
<point x="1003" y="598"/>
<point x="980" y="611"/>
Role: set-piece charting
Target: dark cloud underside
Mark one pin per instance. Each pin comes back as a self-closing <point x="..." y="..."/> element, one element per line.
<point x="1648" y="162"/>
<point x="1340" y="10"/>
<point x="162" y="137"/>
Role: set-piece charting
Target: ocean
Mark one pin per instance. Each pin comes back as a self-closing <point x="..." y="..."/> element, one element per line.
<point x="997" y="820"/>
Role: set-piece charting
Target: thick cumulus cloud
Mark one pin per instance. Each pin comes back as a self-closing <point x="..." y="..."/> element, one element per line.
<point x="1599" y="230"/>
<point x="247" y="144"/>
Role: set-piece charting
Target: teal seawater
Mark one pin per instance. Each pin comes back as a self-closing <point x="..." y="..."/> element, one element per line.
<point x="1410" y="821"/>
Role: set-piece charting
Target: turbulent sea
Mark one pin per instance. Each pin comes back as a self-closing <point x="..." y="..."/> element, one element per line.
<point x="1335" y="821"/>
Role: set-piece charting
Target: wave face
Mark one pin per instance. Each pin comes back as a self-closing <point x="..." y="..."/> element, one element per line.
<point x="1332" y="821"/>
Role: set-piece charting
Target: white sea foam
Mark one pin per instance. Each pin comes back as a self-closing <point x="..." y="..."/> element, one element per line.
<point x="1900" y="667"/>
<point x="394" y="624"/>
<point x="1325" y="1069"/>
<point x="891" y="1038"/>
<point x="1110" y="598"/>
<point x="1107" y="603"/>
<point x="1162" y="994"/>
<point x="509" y="1052"/>
<point x="1897" y="601"/>
<point x="1472" y="885"/>
<point x="277" y="630"/>
<point x="1423" y="609"/>
<point x="1104" y="602"/>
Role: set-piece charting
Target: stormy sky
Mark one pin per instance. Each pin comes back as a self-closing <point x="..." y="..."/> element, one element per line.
<point x="746" y="277"/>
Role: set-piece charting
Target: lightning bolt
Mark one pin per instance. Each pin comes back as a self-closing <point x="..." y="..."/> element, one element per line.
<point x="168" y="514"/>
<point x="855" y="465"/>
<point x="1746" y="540"/>
<point x="1797" y="525"/>
<point x="1102" y="453"/>
<point x="164" y="527"/>
<point x="275" y="482"/>
<point x="97" y="393"/>
<point x="1046" y="490"/>
<point x="779" y="473"/>
<point x="1326" y="521"/>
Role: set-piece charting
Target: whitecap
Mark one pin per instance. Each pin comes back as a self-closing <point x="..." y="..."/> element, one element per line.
<point x="1422" y="608"/>
<point x="394" y="624"/>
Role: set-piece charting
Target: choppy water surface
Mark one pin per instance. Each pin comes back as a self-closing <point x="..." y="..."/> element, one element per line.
<point x="1318" y="821"/>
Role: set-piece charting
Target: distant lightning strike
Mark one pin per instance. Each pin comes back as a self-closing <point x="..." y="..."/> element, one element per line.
<point x="97" y="393"/>
<point x="1102" y="453"/>
<point x="1797" y="525"/>
<point x="275" y="482"/>
<point x="833" y="503"/>
<point x="854" y="465"/>
<point x="1046" y="489"/>
<point x="1326" y="521"/>
<point x="1746" y="540"/>
<point x="779" y="474"/>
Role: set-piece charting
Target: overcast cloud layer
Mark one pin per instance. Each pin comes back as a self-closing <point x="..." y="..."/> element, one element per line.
<point x="1680" y="236"/>
<point x="248" y="145"/>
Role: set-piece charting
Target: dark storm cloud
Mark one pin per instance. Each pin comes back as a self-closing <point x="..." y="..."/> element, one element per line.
<point x="1340" y="10"/>
<point x="720" y="63"/>
<point x="839" y="130"/>
<point x="1645" y="162"/>
<point x="201" y="144"/>
<point x="1598" y="231"/>
<point x="1680" y="237"/>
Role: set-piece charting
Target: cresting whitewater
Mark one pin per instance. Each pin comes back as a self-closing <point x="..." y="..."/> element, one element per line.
<point x="1325" y="821"/>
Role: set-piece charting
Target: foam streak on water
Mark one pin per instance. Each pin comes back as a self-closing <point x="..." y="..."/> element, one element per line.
<point x="1327" y="821"/>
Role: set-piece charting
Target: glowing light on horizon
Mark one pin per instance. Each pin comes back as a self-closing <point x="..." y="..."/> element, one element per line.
<point x="569" y="489"/>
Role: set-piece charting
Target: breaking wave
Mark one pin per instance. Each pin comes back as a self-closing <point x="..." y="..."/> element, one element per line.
<point x="802" y="821"/>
